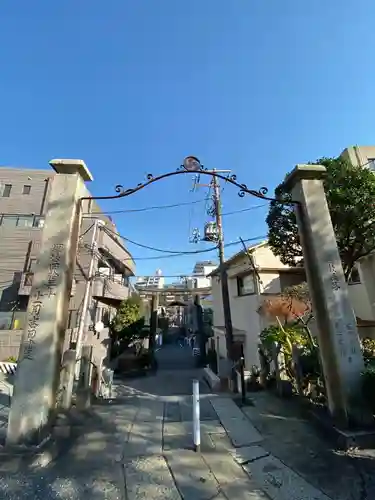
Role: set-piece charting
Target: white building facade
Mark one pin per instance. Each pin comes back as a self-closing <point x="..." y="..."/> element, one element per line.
<point x="247" y="291"/>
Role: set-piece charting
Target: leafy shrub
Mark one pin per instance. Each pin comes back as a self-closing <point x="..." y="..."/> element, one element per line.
<point x="290" y="334"/>
<point x="368" y="350"/>
<point x="368" y="385"/>
<point x="11" y="359"/>
<point x="309" y="362"/>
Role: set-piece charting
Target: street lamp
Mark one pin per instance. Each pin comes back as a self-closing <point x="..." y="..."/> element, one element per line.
<point x="192" y="164"/>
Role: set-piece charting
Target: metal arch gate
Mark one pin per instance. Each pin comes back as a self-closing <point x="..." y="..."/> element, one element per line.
<point x="192" y="165"/>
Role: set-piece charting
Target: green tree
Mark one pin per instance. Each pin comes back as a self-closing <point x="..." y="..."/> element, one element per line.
<point x="128" y="323"/>
<point x="350" y="194"/>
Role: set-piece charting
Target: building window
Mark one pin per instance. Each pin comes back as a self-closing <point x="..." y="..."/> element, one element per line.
<point x="39" y="222"/>
<point x="354" y="278"/>
<point x="9" y="220"/>
<point x="6" y="319"/>
<point x="17" y="220"/>
<point x="245" y="284"/>
<point x="371" y="163"/>
<point x="26" y="189"/>
<point x="25" y="221"/>
<point x="21" y="221"/>
<point x="5" y="190"/>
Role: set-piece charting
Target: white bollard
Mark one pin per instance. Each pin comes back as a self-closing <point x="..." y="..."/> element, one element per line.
<point x="196" y="417"/>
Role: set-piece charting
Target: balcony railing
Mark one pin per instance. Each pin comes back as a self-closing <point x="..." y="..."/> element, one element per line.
<point x="107" y="288"/>
<point x="111" y="245"/>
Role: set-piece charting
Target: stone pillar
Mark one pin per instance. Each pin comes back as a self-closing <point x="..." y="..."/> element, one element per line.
<point x="67" y="378"/>
<point x="84" y="383"/>
<point x="38" y="370"/>
<point x="340" y="351"/>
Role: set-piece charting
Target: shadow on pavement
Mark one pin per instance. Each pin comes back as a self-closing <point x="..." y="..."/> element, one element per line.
<point x="289" y="436"/>
<point x="106" y="444"/>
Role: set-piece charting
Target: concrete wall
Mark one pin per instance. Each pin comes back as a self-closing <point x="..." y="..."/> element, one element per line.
<point x="18" y="203"/>
<point x="264" y="258"/>
<point x="359" y="155"/>
<point x="360" y="301"/>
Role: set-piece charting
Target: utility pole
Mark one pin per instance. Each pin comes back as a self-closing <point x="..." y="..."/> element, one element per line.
<point x="257" y="281"/>
<point x="85" y="303"/>
<point x="224" y="280"/>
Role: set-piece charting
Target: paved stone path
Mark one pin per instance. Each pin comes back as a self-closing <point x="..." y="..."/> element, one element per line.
<point x="140" y="447"/>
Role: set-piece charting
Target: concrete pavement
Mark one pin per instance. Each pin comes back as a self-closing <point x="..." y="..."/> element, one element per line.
<point x="140" y="446"/>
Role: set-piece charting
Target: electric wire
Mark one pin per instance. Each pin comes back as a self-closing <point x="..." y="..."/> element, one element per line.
<point x="244" y="209"/>
<point x="145" y="209"/>
<point x="87" y="230"/>
<point x="141" y="245"/>
<point x="207" y="198"/>
<point x="182" y="254"/>
<point x="98" y="214"/>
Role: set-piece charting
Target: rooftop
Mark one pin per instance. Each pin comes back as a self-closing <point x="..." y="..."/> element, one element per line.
<point x="72" y="166"/>
<point x="229" y="261"/>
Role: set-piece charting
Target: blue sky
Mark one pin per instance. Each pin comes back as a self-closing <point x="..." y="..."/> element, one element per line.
<point x="132" y="87"/>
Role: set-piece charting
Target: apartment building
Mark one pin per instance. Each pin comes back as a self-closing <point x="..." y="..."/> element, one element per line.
<point x="24" y="197"/>
<point x="200" y="276"/>
<point x="156" y="281"/>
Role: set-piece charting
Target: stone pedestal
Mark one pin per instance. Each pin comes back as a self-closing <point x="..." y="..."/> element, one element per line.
<point x="38" y="370"/>
<point x="339" y="345"/>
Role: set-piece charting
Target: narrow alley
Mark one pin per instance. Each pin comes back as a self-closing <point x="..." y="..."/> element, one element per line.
<point x="139" y="445"/>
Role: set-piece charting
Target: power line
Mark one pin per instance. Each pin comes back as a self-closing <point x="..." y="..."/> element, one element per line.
<point x="184" y="254"/>
<point x="141" y="245"/>
<point x="172" y="206"/>
<point x="207" y="198"/>
<point x="87" y="230"/>
<point x="245" y="209"/>
<point x="144" y="209"/>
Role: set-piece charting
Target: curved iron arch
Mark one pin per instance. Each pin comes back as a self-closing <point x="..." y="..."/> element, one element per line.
<point x="182" y="170"/>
